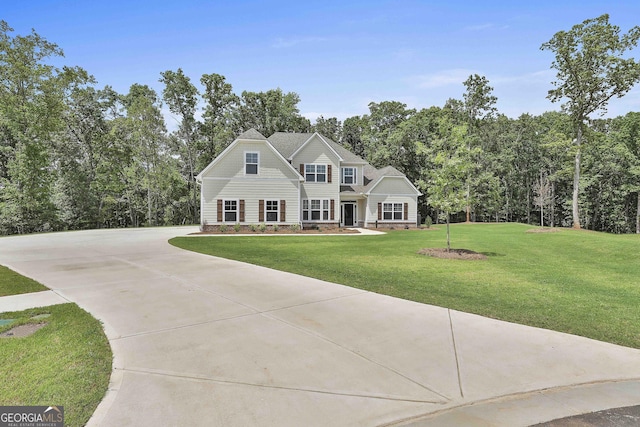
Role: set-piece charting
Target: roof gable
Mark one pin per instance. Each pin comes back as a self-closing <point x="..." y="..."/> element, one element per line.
<point x="251" y="135"/>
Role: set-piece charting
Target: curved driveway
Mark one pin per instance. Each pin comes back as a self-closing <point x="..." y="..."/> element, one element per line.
<point x="200" y="340"/>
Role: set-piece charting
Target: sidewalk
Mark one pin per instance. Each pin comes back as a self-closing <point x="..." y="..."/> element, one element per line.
<point x="32" y="300"/>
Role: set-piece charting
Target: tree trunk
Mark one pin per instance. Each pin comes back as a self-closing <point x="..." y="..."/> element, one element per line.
<point x="553" y="204"/>
<point x="448" y="239"/>
<point x="149" y="205"/>
<point x="638" y="215"/>
<point x="468" y="203"/>
<point x="542" y="215"/>
<point x="576" y="181"/>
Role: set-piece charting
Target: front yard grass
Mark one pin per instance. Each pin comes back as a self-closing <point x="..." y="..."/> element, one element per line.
<point x="12" y="283"/>
<point x="579" y="282"/>
<point x="65" y="363"/>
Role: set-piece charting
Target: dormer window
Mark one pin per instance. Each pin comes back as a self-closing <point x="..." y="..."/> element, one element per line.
<point x="251" y="161"/>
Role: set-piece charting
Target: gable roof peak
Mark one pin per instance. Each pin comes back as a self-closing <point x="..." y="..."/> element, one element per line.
<point x="252" y="134"/>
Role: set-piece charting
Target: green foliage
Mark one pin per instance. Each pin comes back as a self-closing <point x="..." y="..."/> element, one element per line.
<point x="570" y="281"/>
<point x="67" y="361"/>
<point x="275" y="228"/>
<point x="237" y="227"/>
<point x="294" y="227"/>
<point x="428" y="222"/>
<point x="223" y="228"/>
<point x="591" y="69"/>
<point x="73" y="156"/>
<point x="330" y="128"/>
<point x="262" y="227"/>
<point x="253" y="228"/>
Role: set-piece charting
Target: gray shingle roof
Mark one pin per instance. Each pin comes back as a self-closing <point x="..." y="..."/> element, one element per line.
<point x="288" y="143"/>
<point x="252" y="134"/>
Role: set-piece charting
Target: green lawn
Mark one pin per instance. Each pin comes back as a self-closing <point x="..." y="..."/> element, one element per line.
<point x="580" y="282"/>
<point x="12" y="283"/>
<point x="66" y="363"/>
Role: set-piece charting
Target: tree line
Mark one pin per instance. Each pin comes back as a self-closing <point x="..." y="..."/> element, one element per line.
<point x="75" y="156"/>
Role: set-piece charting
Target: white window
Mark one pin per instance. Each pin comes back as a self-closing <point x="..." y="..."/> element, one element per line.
<point x="315" y="210"/>
<point x="230" y="210"/>
<point x="348" y="176"/>
<point x="392" y="211"/>
<point x="315" y="173"/>
<point x="272" y="210"/>
<point x="251" y="163"/>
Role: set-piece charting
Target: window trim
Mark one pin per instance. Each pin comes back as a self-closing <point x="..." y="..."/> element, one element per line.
<point x="391" y="209"/>
<point x="323" y="210"/>
<point x="314" y="173"/>
<point x="257" y="153"/>
<point x="354" y="176"/>
<point x="225" y="210"/>
<point x="266" y="210"/>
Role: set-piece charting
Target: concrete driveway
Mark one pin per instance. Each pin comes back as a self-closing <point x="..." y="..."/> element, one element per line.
<point x="200" y="340"/>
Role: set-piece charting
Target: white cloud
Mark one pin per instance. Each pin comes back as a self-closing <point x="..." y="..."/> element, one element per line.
<point x="487" y="26"/>
<point x="479" y="27"/>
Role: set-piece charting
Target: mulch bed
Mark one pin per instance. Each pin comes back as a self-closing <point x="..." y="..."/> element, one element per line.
<point x="464" y="254"/>
<point x="283" y="230"/>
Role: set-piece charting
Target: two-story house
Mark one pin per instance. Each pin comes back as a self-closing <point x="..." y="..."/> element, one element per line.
<point x="304" y="179"/>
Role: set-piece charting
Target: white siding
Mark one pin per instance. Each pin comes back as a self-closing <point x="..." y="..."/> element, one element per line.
<point x="316" y="151"/>
<point x="270" y="165"/>
<point x="251" y="191"/>
<point x="358" y="169"/>
<point x="393" y="185"/>
<point x="392" y="190"/>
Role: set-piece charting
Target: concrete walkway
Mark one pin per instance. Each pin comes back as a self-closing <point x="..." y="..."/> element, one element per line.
<point x="200" y="340"/>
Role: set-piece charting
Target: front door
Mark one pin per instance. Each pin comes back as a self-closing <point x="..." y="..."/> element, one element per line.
<point x="348" y="214"/>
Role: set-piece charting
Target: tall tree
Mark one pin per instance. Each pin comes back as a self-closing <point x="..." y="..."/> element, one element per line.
<point x="271" y="111"/>
<point x="144" y="129"/>
<point x="626" y="130"/>
<point x="479" y="108"/>
<point x="352" y="129"/>
<point x="383" y="119"/>
<point x="591" y="69"/>
<point x="182" y="97"/>
<point x="218" y="128"/>
<point x="32" y="97"/>
<point x="330" y="128"/>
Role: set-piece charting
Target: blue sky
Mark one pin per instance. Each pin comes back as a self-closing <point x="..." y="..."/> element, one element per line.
<point x="338" y="56"/>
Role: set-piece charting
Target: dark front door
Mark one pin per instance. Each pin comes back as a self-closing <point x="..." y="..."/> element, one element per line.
<point x="348" y="215"/>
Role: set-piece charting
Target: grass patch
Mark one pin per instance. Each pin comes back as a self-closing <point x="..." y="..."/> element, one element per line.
<point x="12" y="283"/>
<point x="66" y="363"/>
<point x="578" y="282"/>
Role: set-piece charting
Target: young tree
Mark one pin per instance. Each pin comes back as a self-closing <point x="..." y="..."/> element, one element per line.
<point x="451" y="162"/>
<point x="542" y="195"/>
<point x="591" y="69"/>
